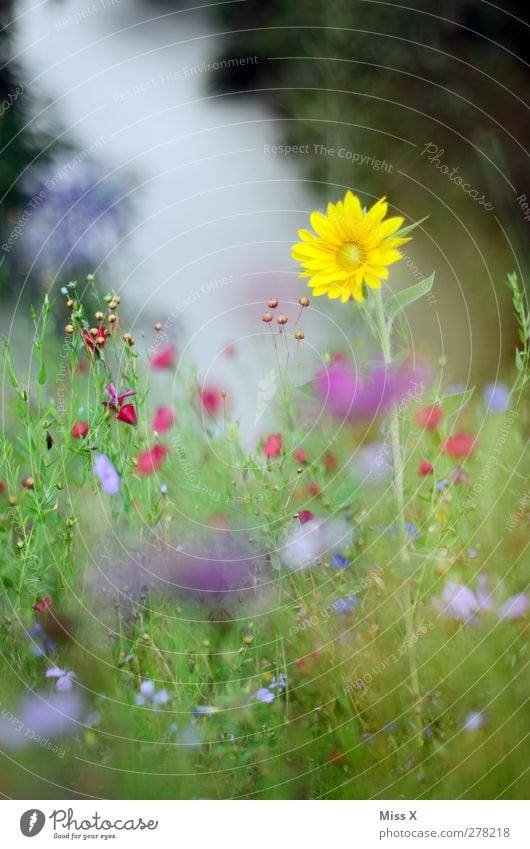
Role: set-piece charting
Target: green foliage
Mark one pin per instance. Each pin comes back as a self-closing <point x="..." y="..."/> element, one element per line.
<point x="343" y="725"/>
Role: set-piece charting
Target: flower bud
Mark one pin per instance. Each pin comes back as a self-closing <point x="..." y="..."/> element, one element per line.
<point x="272" y="304"/>
<point x="98" y="315"/>
<point x="304" y="302"/>
<point x="69" y="329"/>
<point x="266" y="317"/>
<point x="128" y="338"/>
<point x="299" y="334"/>
<point x="112" y="318"/>
<point x="158" y="327"/>
<point x="282" y="319"/>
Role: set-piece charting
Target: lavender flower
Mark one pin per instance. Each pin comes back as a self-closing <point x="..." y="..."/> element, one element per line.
<point x="149" y="695"/>
<point x="64" y="678"/>
<point x="460" y="603"/>
<point x="107" y="474"/>
<point x="496" y="397"/>
<point x="40" y="716"/>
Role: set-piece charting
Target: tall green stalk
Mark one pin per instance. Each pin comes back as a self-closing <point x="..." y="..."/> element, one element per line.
<point x="397" y="457"/>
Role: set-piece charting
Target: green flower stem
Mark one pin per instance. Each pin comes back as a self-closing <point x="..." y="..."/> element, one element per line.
<point x="397" y="457"/>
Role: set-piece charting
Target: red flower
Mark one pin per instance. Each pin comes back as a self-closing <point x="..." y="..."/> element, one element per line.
<point x="127" y="414"/>
<point x="211" y="400"/>
<point x="80" y="430"/>
<point x="300" y="456"/>
<point x="124" y="412"/>
<point x="164" y="419"/>
<point x="425" y="468"/>
<point x="429" y="418"/>
<point x="164" y="358"/>
<point x="273" y="445"/>
<point x="151" y="460"/>
<point x="2" y="488"/>
<point x="43" y="606"/>
<point x="461" y="445"/>
<point x="305" y="516"/>
<point x="314" y="489"/>
<point x="97" y="341"/>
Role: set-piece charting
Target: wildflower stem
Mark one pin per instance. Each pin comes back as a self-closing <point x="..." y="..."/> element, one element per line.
<point x="409" y="599"/>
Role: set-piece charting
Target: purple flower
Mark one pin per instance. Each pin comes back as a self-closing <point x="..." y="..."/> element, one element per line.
<point x="64" y="678"/>
<point x="263" y="695"/>
<point x="350" y="395"/>
<point x="458" y="602"/>
<point x="107" y="474"/>
<point x="496" y="397"/>
<point x="150" y="695"/>
<point x="338" y="561"/>
<point x="278" y="683"/>
<point x="514" y="607"/>
<point x="345" y="605"/>
<point x="41" y="715"/>
<point x="462" y="604"/>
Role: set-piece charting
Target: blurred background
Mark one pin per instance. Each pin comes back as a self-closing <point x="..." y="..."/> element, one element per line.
<point x="175" y="151"/>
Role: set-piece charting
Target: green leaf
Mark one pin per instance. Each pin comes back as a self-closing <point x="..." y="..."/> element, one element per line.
<point x="455" y="402"/>
<point x="408" y="229"/>
<point x="42" y="374"/>
<point x="401" y="300"/>
<point x="307" y="388"/>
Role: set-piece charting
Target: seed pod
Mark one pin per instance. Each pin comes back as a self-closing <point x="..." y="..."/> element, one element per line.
<point x="158" y="327"/>
<point x="99" y="316"/>
<point x="282" y="319"/>
<point x="69" y="329"/>
<point x="304" y="302"/>
<point x="299" y="334"/>
<point x="272" y="304"/>
<point x="266" y="317"/>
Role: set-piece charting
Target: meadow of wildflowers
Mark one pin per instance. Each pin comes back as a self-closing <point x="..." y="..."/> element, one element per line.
<point x="339" y="612"/>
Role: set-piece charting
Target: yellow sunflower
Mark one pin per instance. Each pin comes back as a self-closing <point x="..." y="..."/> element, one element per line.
<point x="351" y="247"/>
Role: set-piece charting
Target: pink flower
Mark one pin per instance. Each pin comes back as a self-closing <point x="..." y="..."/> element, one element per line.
<point x="43" y="606"/>
<point x="305" y="516"/>
<point x="211" y="400"/>
<point x="80" y="430"/>
<point x="164" y="358"/>
<point x="429" y="418"/>
<point x="348" y="395"/>
<point x="124" y="412"/>
<point x="164" y="419"/>
<point x="149" y="461"/>
<point x="273" y="445"/>
<point x="460" y="445"/>
<point x="300" y="455"/>
<point x="425" y="468"/>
